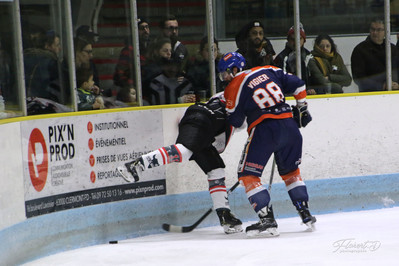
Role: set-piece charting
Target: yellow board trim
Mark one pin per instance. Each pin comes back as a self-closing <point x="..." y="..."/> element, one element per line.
<point x="152" y="107"/>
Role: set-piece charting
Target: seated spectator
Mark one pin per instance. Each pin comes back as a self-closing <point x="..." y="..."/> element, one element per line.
<point x="6" y="90"/>
<point x="198" y="68"/>
<point x="42" y="77"/>
<point x="368" y="61"/>
<point x="169" y="27"/>
<point x="124" y="70"/>
<point x="53" y="43"/>
<point x="169" y="87"/>
<point x="126" y="97"/>
<point x="89" y="97"/>
<point x="328" y="73"/>
<point x="286" y="60"/>
<point x="84" y="56"/>
<point x="86" y="33"/>
<point x="158" y="53"/>
<point x="254" y="46"/>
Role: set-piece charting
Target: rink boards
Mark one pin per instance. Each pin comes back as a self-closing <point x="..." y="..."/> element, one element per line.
<point x="59" y="191"/>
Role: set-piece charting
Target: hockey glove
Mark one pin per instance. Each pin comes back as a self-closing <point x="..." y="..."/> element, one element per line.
<point x="301" y="115"/>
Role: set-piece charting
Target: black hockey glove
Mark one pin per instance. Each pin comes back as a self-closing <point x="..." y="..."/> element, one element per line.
<point x="301" y="115"/>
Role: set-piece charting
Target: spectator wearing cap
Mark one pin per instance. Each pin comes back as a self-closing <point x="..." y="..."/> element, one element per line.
<point x="286" y="59"/>
<point x="254" y="46"/>
<point x="144" y="36"/>
<point x="86" y="33"/>
<point x="124" y="69"/>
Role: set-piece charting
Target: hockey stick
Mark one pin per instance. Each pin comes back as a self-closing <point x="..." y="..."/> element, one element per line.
<point x="272" y="175"/>
<point x="189" y="228"/>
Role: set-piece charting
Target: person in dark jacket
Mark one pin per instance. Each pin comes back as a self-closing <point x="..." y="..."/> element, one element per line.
<point x="42" y="77"/>
<point x="198" y="71"/>
<point x="89" y="97"/>
<point x="124" y="75"/>
<point x="170" y="29"/>
<point x="368" y="61"/>
<point x="254" y="46"/>
<point x="286" y="60"/>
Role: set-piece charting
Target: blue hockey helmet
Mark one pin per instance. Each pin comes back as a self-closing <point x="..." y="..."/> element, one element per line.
<point x="231" y="60"/>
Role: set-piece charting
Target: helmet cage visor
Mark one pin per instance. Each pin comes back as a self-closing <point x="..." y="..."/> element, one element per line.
<point x="223" y="75"/>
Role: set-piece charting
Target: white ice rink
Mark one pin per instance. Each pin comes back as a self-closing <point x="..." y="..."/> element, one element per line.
<point x="347" y="238"/>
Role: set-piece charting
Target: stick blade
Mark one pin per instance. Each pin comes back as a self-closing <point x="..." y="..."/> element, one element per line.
<point x="176" y="228"/>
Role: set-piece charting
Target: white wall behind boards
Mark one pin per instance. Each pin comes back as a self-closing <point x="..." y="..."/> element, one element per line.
<point x="349" y="136"/>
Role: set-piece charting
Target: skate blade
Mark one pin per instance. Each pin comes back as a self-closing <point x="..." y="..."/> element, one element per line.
<point x="270" y="232"/>
<point x="232" y="230"/>
<point x="124" y="174"/>
<point x="310" y="227"/>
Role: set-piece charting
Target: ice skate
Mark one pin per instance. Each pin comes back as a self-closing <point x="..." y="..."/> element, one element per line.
<point x="131" y="169"/>
<point x="308" y="219"/>
<point x="304" y="213"/>
<point x="229" y="222"/>
<point x="266" y="224"/>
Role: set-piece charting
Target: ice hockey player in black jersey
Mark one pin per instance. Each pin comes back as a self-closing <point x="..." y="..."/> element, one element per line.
<point x="203" y="135"/>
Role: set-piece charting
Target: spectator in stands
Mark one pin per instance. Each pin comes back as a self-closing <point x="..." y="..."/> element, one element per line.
<point x="53" y="42"/>
<point x="328" y="73"/>
<point x="170" y="87"/>
<point x="198" y="68"/>
<point x="286" y="60"/>
<point x="6" y="90"/>
<point x="84" y="56"/>
<point x="161" y="69"/>
<point x="86" y="35"/>
<point x="170" y="29"/>
<point x="42" y="77"/>
<point x="89" y="97"/>
<point x="158" y="54"/>
<point x="126" y="97"/>
<point x="254" y="46"/>
<point x="368" y="61"/>
<point x="85" y="32"/>
<point x="124" y="70"/>
<point x="144" y="36"/>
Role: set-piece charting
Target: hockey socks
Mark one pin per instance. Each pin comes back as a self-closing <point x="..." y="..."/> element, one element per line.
<point x="166" y="155"/>
<point x="295" y="186"/>
<point x="299" y="195"/>
<point x="217" y="189"/>
<point x="257" y="194"/>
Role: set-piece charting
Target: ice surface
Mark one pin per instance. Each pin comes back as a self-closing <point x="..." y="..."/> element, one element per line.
<point x="348" y="238"/>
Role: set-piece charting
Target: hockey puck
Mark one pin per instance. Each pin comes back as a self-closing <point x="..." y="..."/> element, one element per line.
<point x="113" y="242"/>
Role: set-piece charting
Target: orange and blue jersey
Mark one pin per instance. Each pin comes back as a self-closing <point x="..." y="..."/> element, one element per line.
<point x="259" y="93"/>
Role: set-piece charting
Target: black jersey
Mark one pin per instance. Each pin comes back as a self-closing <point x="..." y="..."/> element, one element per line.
<point x="210" y="119"/>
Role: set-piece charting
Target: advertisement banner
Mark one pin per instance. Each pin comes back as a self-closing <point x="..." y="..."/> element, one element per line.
<point x="71" y="162"/>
